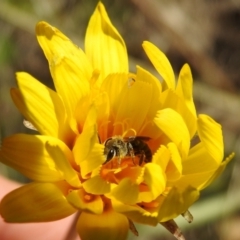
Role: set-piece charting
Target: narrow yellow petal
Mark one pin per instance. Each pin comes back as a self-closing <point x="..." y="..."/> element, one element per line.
<point x="199" y="160"/>
<point x="114" y="84"/>
<point x="161" y="63"/>
<point x="70" y="68"/>
<point x="61" y="158"/>
<point x="93" y="160"/>
<point x="126" y="191"/>
<point x="177" y="201"/>
<point x="155" y="179"/>
<point x="218" y="172"/>
<point x="171" y="123"/>
<point x="109" y="225"/>
<point x="174" y="168"/>
<point x="36" y="202"/>
<point x="185" y="86"/>
<point x="27" y="154"/>
<point x="136" y="213"/>
<point x="162" y="157"/>
<point x="39" y="105"/>
<point x="96" y="185"/>
<point x="129" y="99"/>
<point x="196" y="180"/>
<point x="200" y="169"/>
<point x="152" y="95"/>
<point x="85" y="202"/>
<point x="87" y="152"/>
<point x="210" y="133"/>
<point x="87" y="138"/>
<point x="103" y="44"/>
<point x="170" y="99"/>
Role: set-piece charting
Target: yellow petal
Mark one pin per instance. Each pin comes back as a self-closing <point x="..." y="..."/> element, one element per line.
<point x="109" y="225"/>
<point x="96" y="185"/>
<point x="199" y="160"/>
<point x="85" y="202"/>
<point x="210" y="133"/>
<point x="155" y="179"/>
<point x="200" y="169"/>
<point x="129" y="102"/>
<point x="185" y="86"/>
<point x="88" y="153"/>
<point x="126" y="191"/>
<point x="172" y="124"/>
<point x="27" y="154"/>
<point x="174" y="167"/>
<point x="70" y="68"/>
<point x="218" y="172"/>
<point x="161" y="63"/>
<point x="196" y="180"/>
<point x="152" y="97"/>
<point x="103" y="44"/>
<point x="87" y="138"/>
<point x="94" y="159"/>
<point x="62" y="161"/>
<point x="39" y="105"/>
<point x="136" y="213"/>
<point x="170" y="99"/>
<point x="113" y="85"/>
<point x="161" y="157"/>
<point x="36" y="202"/>
<point x="177" y="201"/>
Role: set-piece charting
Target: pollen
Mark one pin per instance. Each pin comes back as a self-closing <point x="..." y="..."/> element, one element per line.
<point x="88" y="197"/>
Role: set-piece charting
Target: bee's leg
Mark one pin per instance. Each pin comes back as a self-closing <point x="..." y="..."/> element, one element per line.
<point x="119" y="156"/>
<point x="142" y="158"/>
<point x="131" y="152"/>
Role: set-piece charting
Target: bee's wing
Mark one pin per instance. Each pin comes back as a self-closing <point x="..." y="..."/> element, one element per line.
<point x="132" y="138"/>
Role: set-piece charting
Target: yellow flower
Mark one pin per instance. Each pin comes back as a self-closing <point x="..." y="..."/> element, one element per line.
<point x="113" y="145"/>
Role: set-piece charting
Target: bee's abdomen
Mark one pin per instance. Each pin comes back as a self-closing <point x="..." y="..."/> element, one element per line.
<point x="142" y="149"/>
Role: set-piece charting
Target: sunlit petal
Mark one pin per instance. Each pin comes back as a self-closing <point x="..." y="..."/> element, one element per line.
<point x="162" y="157"/>
<point x="128" y="101"/>
<point x="103" y="44"/>
<point x="172" y="124"/>
<point x="161" y="63"/>
<point x="62" y="160"/>
<point x="69" y="65"/>
<point x="176" y="202"/>
<point x="27" y="154"/>
<point x="199" y="160"/>
<point x="96" y="185"/>
<point x="185" y="86"/>
<point x="87" y="138"/>
<point x="93" y="159"/>
<point x="136" y="213"/>
<point x="85" y="202"/>
<point x="126" y="191"/>
<point x="174" y="167"/>
<point x="218" y="172"/>
<point x="210" y="133"/>
<point x="155" y="179"/>
<point x="39" y="104"/>
<point x="36" y="202"/>
<point x="170" y="99"/>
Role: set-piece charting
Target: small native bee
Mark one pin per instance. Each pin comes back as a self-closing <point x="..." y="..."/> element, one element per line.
<point x="121" y="147"/>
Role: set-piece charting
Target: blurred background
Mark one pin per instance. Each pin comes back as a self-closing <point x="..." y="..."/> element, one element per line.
<point x="205" y="34"/>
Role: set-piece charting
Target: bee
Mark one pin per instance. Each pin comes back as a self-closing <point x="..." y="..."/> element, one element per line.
<point x="121" y="147"/>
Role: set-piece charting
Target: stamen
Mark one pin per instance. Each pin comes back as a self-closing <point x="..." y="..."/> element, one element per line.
<point x="128" y="132"/>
